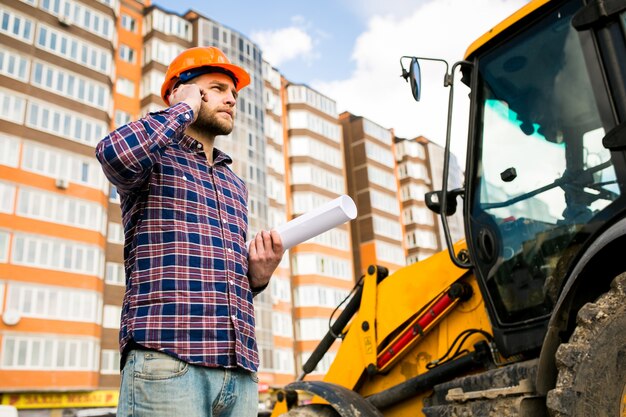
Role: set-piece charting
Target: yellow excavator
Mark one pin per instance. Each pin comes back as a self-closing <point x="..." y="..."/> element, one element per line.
<point x="527" y="316"/>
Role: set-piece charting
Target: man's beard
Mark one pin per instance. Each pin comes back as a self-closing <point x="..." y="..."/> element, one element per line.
<point x="209" y="123"/>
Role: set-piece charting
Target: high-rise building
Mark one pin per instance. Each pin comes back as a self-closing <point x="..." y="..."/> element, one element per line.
<point x="321" y="268"/>
<point x="57" y="70"/>
<point x="420" y="170"/>
<point x="377" y="236"/>
<point x="282" y="365"/>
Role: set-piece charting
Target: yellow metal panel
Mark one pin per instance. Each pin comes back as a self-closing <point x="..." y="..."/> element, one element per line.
<point x="505" y="24"/>
<point x="399" y="297"/>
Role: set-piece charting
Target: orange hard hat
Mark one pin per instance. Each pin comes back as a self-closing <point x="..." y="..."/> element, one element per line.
<point x="194" y="61"/>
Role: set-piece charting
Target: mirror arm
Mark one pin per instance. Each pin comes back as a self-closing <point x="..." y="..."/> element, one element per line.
<point x="449" y="80"/>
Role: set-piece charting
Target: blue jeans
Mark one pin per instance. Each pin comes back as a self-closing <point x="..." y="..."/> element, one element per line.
<point x="158" y="385"/>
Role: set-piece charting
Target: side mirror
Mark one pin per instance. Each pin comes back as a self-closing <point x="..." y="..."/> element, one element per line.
<point x="433" y="201"/>
<point x="415" y="77"/>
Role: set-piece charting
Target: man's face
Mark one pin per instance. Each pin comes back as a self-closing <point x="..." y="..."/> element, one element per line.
<point x="219" y="99"/>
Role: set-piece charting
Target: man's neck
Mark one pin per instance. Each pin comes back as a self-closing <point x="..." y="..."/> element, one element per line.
<point x="207" y="142"/>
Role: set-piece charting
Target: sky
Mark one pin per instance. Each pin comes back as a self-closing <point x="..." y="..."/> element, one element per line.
<point x="349" y="50"/>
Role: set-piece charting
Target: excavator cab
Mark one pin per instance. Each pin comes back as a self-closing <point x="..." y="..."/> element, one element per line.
<point x="544" y="173"/>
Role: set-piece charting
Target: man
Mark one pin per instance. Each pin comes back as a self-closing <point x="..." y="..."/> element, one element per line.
<point x="187" y="328"/>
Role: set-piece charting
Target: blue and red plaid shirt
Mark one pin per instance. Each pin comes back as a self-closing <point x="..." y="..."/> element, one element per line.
<point x="186" y="260"/>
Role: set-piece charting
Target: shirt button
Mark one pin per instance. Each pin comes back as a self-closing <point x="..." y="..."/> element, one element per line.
<point x="187" y="116"/>
<point x="231" y="282"/>
<point x="230" y="250"/>
<point x="199" y="146"/>
<point x="233" y="317"/>
<point x="223" y="220"/>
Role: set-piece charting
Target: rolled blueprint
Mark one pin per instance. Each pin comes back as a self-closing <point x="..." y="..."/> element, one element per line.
<point x="317" y="221"/>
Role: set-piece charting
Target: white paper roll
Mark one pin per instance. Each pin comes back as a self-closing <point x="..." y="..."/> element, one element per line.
<point x="317" y="221"/>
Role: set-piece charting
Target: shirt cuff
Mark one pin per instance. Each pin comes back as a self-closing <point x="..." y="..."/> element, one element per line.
<point x="256" y="291"/>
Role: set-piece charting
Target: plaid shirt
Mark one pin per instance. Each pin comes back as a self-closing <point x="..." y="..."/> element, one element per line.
<point x="186" y="261"/>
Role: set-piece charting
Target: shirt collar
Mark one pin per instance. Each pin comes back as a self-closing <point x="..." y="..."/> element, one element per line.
<point x="189" y="144"/>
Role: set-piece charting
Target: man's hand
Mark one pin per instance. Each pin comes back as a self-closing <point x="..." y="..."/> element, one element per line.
<point x="191" y="94"/>
<point x="266" y="251"/>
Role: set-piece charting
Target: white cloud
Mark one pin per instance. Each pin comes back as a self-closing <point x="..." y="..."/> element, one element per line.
<point x="439" y="28"/>
<point x="285" y="44"/>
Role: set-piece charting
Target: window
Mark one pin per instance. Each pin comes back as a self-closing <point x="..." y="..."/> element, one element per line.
<point x="54" y="163"/>
<point x="7" y="197"/>
<point x="151" y="84"/>
<point x="372" y="129"/>
<point x="170" y="24"/>
<point x="319" y="296"/>
<point x="385" y="202"/>
<point x="419" y="215"/>
<point x="324" y="364"/>
<point x="38" y="204"/>
<point x="311" y="328"/>
<point x="70" y="84"/>
<point x="9" y="150"/>
<point x="311" y="174"/>
<point x="283" y="361"/>
<point x="116" y="233"/>
<point x="389" y="253"/>
<point x="16" y="26"/>
<point x="110" y="363"/>
<point x="275" y="160"/>
<point x="49" y="353"/>
<point x="379" y="154"/>
<point x="76" y="50"/>
<point x="282" y="324"/>
<point x="111" y="317"/>
<point x="14" y="65"/>
<point x="4" y="246"/>
<point x="125" y="86"/>
<point x="304" y="201"/>
<point x="387" y="227"/>
<point x="303" y="94"/>
<point x="54" y="303"/>
<point x="314" y="264"/>
<point x="127" y="53"/>
<point x="122" y="118"/>
<point x="422" y="239"/>
<point x="410" y="148"/>
<point x="300" y="119"/>
<point x="335" y="238"/>
<point x="280" y="289"/>
<point x="114" y="196"/>
<point x="81" y="16"/>
<point x="160" y="51"/>
<point x="115" y="274"/>
<point x="414" y="192"/>
<point x="381" y="177"/>
<point x="129" y="23"/>
<point x="62" y="122"/>
<point x="413" y="170"/>
<point x="61" y="255"/>
<point x="12" y="106"/>
<point x="308" y="146"/>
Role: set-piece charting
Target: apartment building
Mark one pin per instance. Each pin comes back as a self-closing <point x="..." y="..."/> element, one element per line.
<point x="420" y="170"/>
<point x="321" y="268"/>
<point x="283" y="360"/>
<point x="57" y="72"/>
<point x="126" y="107"/>
<point x="377" y="236"/>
